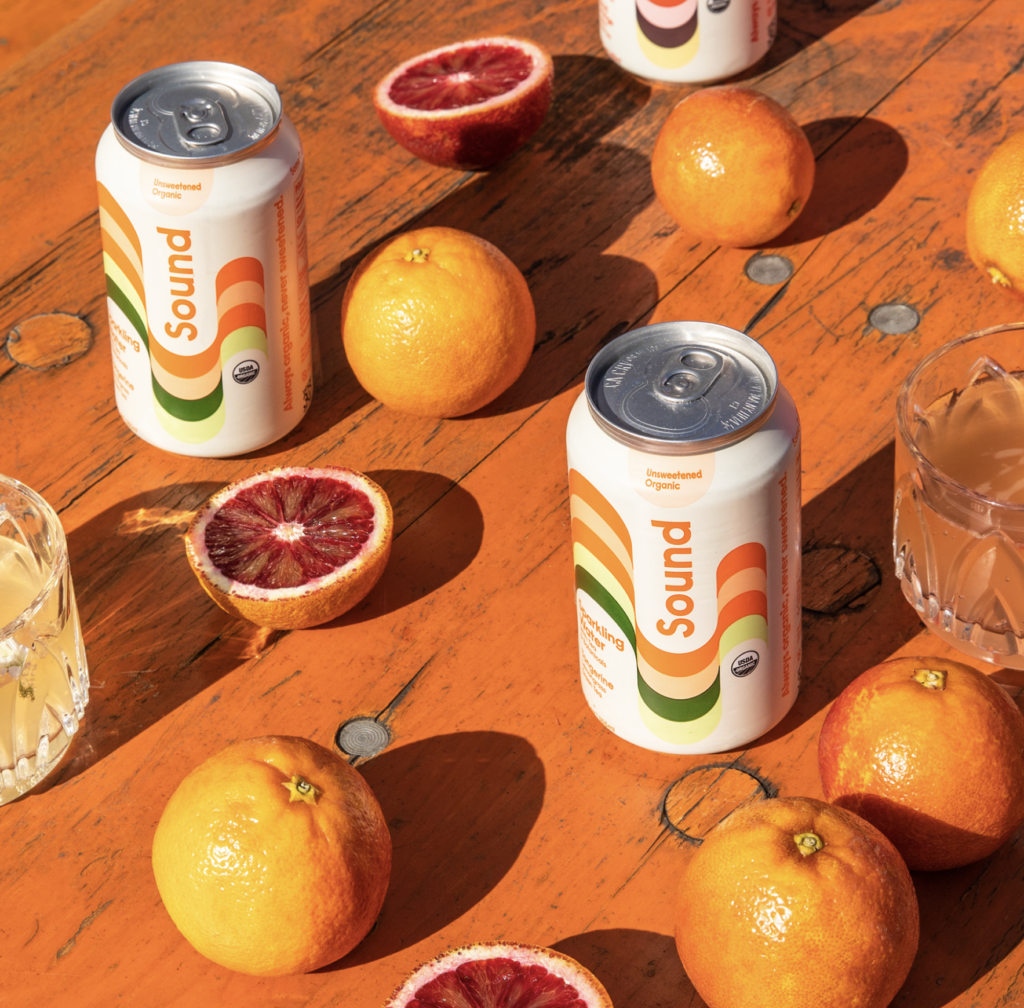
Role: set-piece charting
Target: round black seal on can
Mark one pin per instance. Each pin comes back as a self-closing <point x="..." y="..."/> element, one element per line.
<point x="245" y="372"/>
<point x="717" y="6"/>
<point x="745" y="663"/>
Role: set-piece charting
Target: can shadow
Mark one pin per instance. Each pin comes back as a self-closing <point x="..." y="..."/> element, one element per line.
<point x="859" y="161"/>
<point x="639" y="969"/>
<point x="460" y="808"/>
<point x="804" y="22"/>
<point x="855" y="512"/>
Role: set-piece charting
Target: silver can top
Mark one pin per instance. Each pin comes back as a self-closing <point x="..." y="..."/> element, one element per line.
<point x="681" y="388"/>
<point x="196" y="115"/>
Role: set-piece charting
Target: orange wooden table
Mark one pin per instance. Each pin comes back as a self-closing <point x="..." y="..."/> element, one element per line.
<point x="514" y="814"/>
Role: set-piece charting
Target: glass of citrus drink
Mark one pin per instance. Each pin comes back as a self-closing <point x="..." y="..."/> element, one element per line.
<point x="44" y="680"/>
<point x="958" y="536"/>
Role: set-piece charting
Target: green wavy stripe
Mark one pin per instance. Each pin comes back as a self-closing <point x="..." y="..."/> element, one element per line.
<point x="682" y="732"/>
<point x="118" y="297"/>
<point x="192" y="410"/>
<point x="190" y="432"/>
<point x="582" y="557"/>
<point x="586" y="582"/>
<point x="680" y="710"/>
<point x="243" y="338"/>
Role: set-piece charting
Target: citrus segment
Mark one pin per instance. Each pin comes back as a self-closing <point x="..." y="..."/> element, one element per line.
<point x="931" y="751"/>
<point x="467" y="105"/>
<point x="501" y="975"/>
<point x="437" y="322"/>
<point x="291" y="547"/>
<point x="273" y="857"/>
<point x="792" y="902"/>
<point x="732" y="166"/>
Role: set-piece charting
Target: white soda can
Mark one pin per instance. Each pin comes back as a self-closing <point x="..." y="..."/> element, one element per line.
<point x="684" y="481"/>
<point x="203" y="219"/>
<point x="687" y="41"/>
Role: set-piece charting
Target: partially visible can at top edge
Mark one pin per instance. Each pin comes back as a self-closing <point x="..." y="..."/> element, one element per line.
<point x="203" y="221"/>
<point x="684" y="482"/>
<point x="687" y="41"/>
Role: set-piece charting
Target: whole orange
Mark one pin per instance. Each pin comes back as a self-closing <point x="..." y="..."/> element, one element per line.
<point x="932" y="752"/>
<point x="273" y="857"/>
<point x="732" y="166"/>
<point x="437" y="322"/>
<point x="792" y="902"/>
<point x="995" y="216"/>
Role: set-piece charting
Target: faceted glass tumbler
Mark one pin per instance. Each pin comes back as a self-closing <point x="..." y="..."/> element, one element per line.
<point x="44" y="679"/>
<point x="959" y="553"/>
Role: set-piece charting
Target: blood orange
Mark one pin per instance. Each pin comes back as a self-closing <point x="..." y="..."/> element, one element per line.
<point x="501" y="975"/>
<point x="470" y="104"/>
<point x="291" y="547"/>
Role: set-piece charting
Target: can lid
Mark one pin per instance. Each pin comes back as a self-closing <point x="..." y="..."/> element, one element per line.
<point x="196" y="115"/>
<point x="681" y="388"/>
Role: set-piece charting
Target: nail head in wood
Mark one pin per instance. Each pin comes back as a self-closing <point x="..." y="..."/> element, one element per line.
<point x="362" y="736"/>
<point x="768" y="269"/>
<point x="47" y="341"/>
<point x="894" y="319"/>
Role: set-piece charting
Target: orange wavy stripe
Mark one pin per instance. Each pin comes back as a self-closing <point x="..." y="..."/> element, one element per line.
<point x="238" y="316"/>
<point x="111" y="206"/>
<point x="585" y="490"/>
<point x="245" y="268"/>
<point x="111" y="247"/>
<point x="751" y="554"/>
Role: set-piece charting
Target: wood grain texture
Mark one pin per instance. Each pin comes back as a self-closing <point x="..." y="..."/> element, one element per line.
<point x="514" y="814"/>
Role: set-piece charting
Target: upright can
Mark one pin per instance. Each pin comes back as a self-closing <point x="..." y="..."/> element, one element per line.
<point x="687" y="41"/>
<point x="203" y="220"/>
<point x="684" y="481"/>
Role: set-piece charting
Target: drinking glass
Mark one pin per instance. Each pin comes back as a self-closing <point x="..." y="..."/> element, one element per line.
<point x="44" y="680"/>
<point x="958" y="531"/>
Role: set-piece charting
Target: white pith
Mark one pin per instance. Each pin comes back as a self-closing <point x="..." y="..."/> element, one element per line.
<point x="565" y="969"/>
<point x="542" y="67"/>
<point x="197" y="538"/>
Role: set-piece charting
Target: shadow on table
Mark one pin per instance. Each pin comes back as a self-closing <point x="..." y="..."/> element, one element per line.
<point x="855" y="512"/>
<point x="639" y="969"/>
<point x="437" y="545"/>
<point x="862" y="161"/>
<point x="460" y="808"/>
<point x="153" y="638"/>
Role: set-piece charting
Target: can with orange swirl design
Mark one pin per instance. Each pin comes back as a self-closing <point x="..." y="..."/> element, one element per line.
<point x="684" y="481"/>
<point x="203" y="221"/>
<point x="687" y="41"/>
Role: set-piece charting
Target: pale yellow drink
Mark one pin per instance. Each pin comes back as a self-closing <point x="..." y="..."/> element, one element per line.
<point x="43" y="674"/>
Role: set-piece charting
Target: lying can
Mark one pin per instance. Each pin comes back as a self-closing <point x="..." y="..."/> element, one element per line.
<point x="203" y="221"/>
<point x="687" y="41"/>
<point x="684" y="481"/>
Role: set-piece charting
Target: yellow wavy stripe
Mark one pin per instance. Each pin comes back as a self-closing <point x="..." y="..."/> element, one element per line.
<point x="682" y="732"/>
<point x="243" y="338"/>
<point x="191" y="431"/>
<point x="580" y="509"/>
<point x="582" y="556"/>
<point x="670" y="59"/>
<point x="116" y="233"/>
<point x="116" y="274"/>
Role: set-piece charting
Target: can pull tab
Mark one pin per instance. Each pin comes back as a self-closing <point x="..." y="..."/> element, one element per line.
<point x="690" y="375"/>
<point x="201" y="122"/>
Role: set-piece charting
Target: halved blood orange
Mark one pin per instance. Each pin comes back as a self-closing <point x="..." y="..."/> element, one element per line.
<point x="501" y="975"/>
<point x="470" y="104"/>
<point x="292" y="547"/>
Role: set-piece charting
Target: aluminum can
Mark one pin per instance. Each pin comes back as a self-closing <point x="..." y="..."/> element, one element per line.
<point x="687" y="41"/>
<point x="684" y="482"/>
<point x="203" y="221"/>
